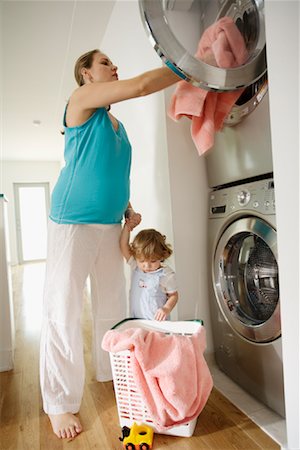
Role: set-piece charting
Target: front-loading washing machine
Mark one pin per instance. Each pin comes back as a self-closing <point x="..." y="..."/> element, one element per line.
<point x="244" y="289"/>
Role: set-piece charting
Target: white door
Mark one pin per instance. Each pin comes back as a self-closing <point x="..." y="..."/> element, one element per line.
<point x="32" y="206"/>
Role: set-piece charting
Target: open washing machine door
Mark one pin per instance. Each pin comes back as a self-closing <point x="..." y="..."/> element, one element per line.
<point x="175" y="28"/>
<point x="245" y="279"/>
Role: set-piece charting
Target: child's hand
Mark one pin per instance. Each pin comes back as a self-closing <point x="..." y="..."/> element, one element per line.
<point x="161" y="314"/>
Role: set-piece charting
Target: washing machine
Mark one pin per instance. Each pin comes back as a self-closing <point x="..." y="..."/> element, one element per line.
<point x="244" y="289"/>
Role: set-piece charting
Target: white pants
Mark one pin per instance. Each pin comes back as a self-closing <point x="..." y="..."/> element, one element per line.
<point x="74" y="252"/>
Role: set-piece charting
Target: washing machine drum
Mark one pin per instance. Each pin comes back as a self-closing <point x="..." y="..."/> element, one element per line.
<point x="245" y="278"/>
<point x="192" y="37"/>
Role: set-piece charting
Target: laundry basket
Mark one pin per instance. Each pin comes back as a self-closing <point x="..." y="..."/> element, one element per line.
<point x="131" y="407"/>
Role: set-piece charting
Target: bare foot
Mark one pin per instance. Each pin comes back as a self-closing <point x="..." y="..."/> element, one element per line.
<point x="65" y="425"/>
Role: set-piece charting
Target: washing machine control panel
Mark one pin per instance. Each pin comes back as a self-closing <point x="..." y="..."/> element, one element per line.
<point x="243" y="197"/>
<point x="257" y="196"/>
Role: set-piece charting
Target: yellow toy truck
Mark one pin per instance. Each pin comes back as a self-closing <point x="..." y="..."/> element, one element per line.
<point x="138" y="437"/>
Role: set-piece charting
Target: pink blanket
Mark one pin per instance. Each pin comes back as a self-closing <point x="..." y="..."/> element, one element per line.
<point x="222" y="45"/>
<point x="169" y="370"/>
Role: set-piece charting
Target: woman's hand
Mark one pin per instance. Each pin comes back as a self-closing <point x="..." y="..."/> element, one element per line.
<point x="132" y="219"/>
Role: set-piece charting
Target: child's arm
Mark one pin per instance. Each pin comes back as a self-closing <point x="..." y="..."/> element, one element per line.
<point x="124" y="242"/>
<point x="163" y="312"/>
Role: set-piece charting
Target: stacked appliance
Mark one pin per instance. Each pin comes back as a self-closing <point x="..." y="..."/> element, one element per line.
<point x="242" y="250"/>
<point x="243" y="282"/>
<point x="242" y="258"/>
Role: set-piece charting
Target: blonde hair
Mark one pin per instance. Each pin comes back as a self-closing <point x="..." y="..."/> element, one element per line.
<point x="84" y="61"/>
<point x="150" y="244"/>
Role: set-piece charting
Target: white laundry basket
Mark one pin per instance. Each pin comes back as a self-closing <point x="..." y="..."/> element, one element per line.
<point x="131" y="407"/>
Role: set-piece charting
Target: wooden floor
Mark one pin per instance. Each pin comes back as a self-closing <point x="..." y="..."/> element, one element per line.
<point x="24" y="426"/>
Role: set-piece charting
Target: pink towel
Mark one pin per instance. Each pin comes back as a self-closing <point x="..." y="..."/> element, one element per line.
<point x="170" y="372"/>
<point x="223" y="43"/>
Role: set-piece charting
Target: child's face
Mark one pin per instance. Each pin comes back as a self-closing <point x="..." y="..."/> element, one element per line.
<point x="147" y="265"/>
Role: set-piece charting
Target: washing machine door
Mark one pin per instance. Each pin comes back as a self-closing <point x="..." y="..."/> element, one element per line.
<point x="181" y="32"/>
<point x="245" y="278"/>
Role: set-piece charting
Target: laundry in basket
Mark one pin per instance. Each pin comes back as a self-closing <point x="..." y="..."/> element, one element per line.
<point x="159" y="372"/>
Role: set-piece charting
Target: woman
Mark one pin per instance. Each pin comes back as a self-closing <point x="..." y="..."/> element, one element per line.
<point x="88" y="202"/>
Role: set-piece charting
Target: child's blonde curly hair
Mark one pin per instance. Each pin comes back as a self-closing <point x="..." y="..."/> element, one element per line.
<point x="150" y="245"/>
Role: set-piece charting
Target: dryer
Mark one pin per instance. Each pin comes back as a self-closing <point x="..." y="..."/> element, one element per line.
<point x="242" y="151"/>
<point x="175" y="28"/>
<point x="244" y="289"/>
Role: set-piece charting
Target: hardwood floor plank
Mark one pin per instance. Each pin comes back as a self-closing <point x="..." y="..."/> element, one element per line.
<point x="242" y="422"/>
<point x="30" y="399"/>
<point x="10" y="414"/>
<point x="218" y="431"/>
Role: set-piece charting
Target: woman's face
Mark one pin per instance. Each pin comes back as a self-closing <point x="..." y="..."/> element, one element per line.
<point x="102" y="69"/>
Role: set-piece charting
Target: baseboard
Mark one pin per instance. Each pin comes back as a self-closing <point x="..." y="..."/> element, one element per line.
<point x="6" y="360"/>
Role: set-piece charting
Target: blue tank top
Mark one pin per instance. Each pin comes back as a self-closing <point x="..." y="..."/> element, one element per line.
<point x="93" y="187"/>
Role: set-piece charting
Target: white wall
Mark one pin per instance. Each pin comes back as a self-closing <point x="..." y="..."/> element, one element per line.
<point x="7" y="329"/>
<point x="189" y="200"/>
<point x="24" y="172"/>
<point x="283" y="71"/>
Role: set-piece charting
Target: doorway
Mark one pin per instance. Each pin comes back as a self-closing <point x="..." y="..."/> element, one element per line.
<point x="32" y="206"/>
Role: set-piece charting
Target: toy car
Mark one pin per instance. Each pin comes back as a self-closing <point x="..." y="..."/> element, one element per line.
<point x="138" y="437"/>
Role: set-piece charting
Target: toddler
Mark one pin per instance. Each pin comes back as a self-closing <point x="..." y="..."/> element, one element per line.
<point x="153" y="292"/>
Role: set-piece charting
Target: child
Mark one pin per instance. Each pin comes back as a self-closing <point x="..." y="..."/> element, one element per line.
<point x="153" y="292"/>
